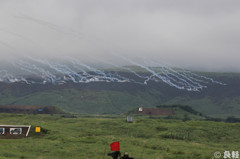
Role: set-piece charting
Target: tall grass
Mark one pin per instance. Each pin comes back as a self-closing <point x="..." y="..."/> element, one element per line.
<point x="86" y="137"/>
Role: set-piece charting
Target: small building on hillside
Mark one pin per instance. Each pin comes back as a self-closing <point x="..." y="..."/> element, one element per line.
<point x="155" y="111"/>
<point x="14" y="131"/>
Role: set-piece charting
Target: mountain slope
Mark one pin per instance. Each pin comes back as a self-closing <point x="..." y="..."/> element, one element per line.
<point x="116" y="98"/>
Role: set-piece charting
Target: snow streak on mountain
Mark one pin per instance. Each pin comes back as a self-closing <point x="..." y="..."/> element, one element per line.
<point x="42" y="71"/>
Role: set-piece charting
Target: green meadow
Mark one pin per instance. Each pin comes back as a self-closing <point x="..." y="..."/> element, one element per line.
<point x="89" y="136"/>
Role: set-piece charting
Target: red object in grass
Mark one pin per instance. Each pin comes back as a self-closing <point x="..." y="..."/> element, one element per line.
<point x="115" y="146"/>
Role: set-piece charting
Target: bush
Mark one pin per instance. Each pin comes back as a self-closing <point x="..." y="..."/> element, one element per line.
<point x="183" y="107"/>
<point x="232" y="119"/>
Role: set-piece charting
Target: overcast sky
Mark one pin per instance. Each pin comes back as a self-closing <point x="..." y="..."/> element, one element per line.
<point x="198" y="34"/>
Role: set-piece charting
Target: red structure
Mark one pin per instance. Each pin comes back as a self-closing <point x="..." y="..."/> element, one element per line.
<point x="155" y="111"/>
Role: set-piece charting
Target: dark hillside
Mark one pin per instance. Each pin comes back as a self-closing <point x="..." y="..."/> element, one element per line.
<point x="115" y="98"/>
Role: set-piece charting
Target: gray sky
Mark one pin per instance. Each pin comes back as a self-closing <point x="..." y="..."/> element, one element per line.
<point x="197" y="34"/>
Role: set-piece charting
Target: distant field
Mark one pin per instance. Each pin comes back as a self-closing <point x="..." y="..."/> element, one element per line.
<point x="86" y="137"/>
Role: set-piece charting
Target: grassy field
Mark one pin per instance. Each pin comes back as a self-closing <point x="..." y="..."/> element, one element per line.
<point x="87" y="137"/>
